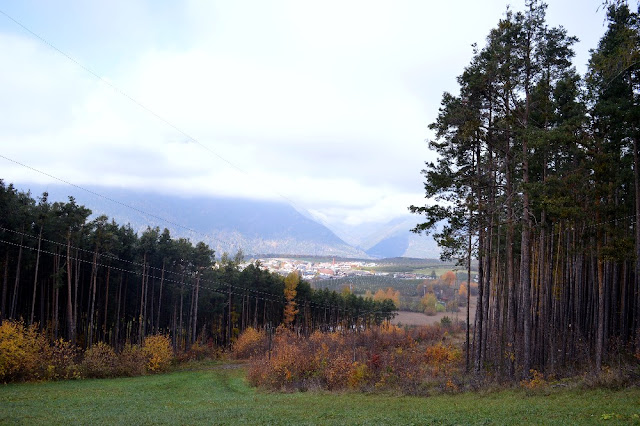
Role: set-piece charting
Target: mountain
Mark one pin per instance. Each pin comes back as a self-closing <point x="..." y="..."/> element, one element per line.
<point x="389" y="239"/>
<point x="396" y="240"/>
<point x="226" y="224"/>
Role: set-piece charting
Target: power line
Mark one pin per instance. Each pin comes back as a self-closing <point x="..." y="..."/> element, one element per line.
<point x="140" y="104"/>
<point x="265" y="295"/>
<point x="112" y="200"/>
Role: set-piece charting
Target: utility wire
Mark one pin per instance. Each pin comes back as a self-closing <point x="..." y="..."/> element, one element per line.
<point x="265" y="295"/>
<point x="139" y="104"/>
<point x="114" y="200"/>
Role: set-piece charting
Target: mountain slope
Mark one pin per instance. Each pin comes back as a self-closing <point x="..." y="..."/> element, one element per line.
<point x="226" y="224"/>
<point x="395" y="239"/>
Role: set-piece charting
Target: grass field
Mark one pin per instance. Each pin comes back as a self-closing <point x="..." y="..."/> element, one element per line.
<point x="213" y="393"/>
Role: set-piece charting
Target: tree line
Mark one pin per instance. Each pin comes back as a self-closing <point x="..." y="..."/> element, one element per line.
<point x="89" y="279"/>
<point x="537" y="178"/>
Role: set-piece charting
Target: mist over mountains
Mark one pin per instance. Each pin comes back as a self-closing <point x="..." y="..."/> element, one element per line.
<point x="253" y="226"/>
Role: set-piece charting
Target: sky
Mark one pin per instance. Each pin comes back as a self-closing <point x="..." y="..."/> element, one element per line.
<point x="321" y="104"/>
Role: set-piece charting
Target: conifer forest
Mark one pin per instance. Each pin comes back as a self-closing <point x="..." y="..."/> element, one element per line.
<point x="93" y="280"/>
<point x="537" y="178"/>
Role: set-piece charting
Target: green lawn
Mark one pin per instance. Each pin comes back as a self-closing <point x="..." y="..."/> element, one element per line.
<point x="215" y="394"/>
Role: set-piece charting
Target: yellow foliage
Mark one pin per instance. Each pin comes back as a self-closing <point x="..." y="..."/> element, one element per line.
<point x="536" y="381"/>
<point x="158" y="352"/>
<point x="22" y="351"/>
<point x="429" y="304"/>
<point x="358" y="374"/>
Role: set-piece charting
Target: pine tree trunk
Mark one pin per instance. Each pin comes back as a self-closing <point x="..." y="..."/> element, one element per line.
<point x="35" y="278"/>
<point x="195" y="310"/>
<point x="119" y="302"/>
<point x="142" y="293"/>
<point x="70" y="323"/>
<point x="14" y="299"/>
<point x="106" y="305"/>
<point x="636" y="178"/>
<point x="5" y="285"/>
<point x="160" y="296"/>
<point x="92" y="306"/>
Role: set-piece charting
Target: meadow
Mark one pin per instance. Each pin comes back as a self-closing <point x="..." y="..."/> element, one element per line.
<point x="218" y="393"/>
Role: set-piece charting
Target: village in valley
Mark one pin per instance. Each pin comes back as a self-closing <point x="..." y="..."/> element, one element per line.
<point x="323" y="269"/>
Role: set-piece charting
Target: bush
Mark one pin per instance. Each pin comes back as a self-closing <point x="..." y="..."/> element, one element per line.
<point x="250" y="343"/>
<point x="157" y="352"/>
<point x="61" y="361"/>
<point x="442" y="358"/>
<point x="22" y="351"/>
<point x="384" y="358"/>
<point x="100" y="361"/>
<point x="131" y="361"/>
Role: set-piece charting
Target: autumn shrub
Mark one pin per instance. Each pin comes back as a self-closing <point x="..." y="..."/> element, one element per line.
<point x="22" y="351"/>
<point x="384" y="358"/>
<point x="100" y="361"/>
<point x="250" y="343"/>
<point x="337" y="372"/>
<point x="198" y="352"/>
<point x="294" y="363"/>
<point x="536" y="380"/>
<point x="427" y="334"/>
<point x="359" y="375"/>
<point x="157" y="352"/>
<point x="131" y="361"/>
<point x="61" y="357"/>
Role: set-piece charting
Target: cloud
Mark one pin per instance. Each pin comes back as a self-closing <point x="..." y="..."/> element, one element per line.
<point x="325" y="105"/>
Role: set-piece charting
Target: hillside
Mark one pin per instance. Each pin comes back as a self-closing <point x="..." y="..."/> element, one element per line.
<point x="226" y="224"/>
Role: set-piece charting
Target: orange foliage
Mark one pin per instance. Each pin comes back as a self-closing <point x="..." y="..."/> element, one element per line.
<point x="448" y="278"/>
<point x="250" y="343"/>
<point x="462" y="291"/>
<point x="290" y="309"/>
<point x="389" y="293"/>
<point x="386" y="357"/>
<point x="440" y="357"/>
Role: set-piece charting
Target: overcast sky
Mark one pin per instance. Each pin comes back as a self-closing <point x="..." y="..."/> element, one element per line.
<point x="324" y="104"/>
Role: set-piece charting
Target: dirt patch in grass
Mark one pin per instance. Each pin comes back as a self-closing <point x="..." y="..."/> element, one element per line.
<point x="418" y="318"/>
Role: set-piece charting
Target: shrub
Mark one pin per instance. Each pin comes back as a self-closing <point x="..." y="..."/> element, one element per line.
<point x="22" y="351"/>
<point x="535" y="381"/>
<point x="131" y="361"/>
<point x="100" y="361"/>
<point x="385" y="358"/>
<point x="339" y="369"/>
<point x="61" y="361"/>
<point x="157" y="352"/>
<point x="250" y="343"/>
<point x="440" y="357"/>
<point x="358" y="375"/>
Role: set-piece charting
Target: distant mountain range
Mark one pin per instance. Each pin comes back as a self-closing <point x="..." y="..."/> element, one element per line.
<point x="391" y="239"/>
<point x="253" y="226"/>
